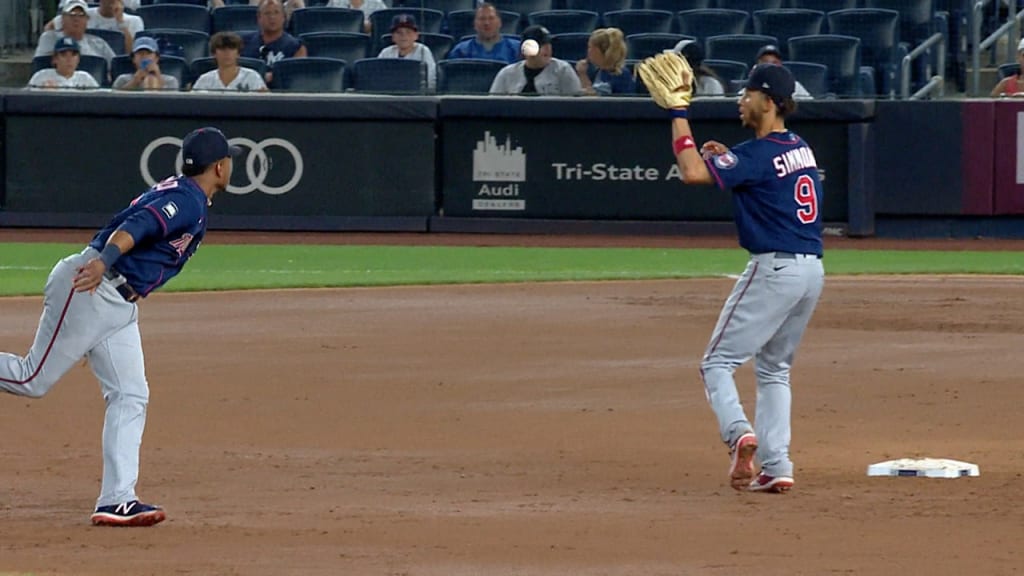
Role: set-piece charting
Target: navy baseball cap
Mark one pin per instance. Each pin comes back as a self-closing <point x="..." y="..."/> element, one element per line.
<point x="403" y="21"/>
<point x="769" y="49"/>
<point x="205" y="146"/>
<point x="65" y="44"/>
<point x="538" y="33"/>
<point x="773" y="80"/>
<point x="145" y="43"/>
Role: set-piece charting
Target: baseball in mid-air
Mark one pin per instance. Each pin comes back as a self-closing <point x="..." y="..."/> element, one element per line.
<point x="530" y="48"/>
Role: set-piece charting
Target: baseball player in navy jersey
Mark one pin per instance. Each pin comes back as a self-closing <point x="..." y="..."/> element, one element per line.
<point x="90" y="310"/>
<point x="777" y="194"/>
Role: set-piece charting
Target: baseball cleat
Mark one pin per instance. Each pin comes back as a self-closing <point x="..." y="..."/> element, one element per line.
<point x="133" y="513"/>
<point x="766" y="483"/>
<point x="741" y="471"/>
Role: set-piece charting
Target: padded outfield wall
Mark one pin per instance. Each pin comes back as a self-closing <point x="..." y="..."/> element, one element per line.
<point x="488" y="164"/>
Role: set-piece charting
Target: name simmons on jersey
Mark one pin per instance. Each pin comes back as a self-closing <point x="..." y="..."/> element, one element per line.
<point x="793" y="161"/>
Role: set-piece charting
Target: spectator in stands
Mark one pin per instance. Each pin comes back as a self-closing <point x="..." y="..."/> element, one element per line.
<point x="540" y="74"/>
<point x="708" y="83"/>
<point x="271" y="43"/>
<point x="1012" y="85"/>
<point x="147" y="76"/>
<point x="226" y="48"/>
<point x="769" y="54"/>
<point x="606" y="50"/>
<point x="109" y="15"/>
<point x="64" y="73"/>
<point x="289" y="5"/>
<point x="75" y="20"/>
<point x="366" y="6"/>
<point x="405" y="35"/>
<point x="489" y="44"/>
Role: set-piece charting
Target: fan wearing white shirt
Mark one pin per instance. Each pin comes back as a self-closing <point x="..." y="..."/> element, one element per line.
<point x="75" y="22"/>
<point x="63" y="74"/>
<point x="225" y="48"/>
<point x="109" y="15"/>
<point x="405" y="35"/>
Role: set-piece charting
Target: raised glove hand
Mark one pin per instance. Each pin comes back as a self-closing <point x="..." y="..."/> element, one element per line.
<point x="668" y="78"/>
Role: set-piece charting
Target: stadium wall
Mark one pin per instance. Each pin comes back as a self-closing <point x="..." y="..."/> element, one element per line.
<point x="509" y="165"/>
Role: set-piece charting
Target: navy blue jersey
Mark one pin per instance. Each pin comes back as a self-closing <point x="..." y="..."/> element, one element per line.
<point x="167" y="222"/>
<point x="284" y="47"/>
<point x="776" y="193"/>
<point x="607" y="83"/>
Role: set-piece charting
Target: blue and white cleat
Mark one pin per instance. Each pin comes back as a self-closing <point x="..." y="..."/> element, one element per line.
<point x="133" y="513"/>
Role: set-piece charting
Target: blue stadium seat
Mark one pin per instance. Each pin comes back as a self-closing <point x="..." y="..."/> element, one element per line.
<point x="202" y="3"/>
<point x="702" y="24"/>
<point x="389" y="76"/>
<point x="201" y="66"/>
<point x="674" y="6"/>
<point x="322" y="19"/>
<point x="737" y="47"/>
<point x="823" y="5"/>
<point x="571" y="46"/>
<point x="917" y="17"/>
<point x="639" y="21"/>
<point x="728" y="71"/>
<point x="813" y="77"/>
<point x="524" y="8"/>
<point x="176" y="16"/>
<point x="460" y="23"/>
<point x="599" y="6"/>
<point x="115" y="38"/>
<point x="445" y="6"/>
<point x="310" y="75"/>
<point x="238" y="19"/>
<point x="879" y="34"/>
<point x="748" y="5"/>
<point x="640" y="46"/>
<point x="787" y="23"/>
<point x="841" y="54"/>
<point x="466" y="75"/>
<point x="562" y="21"/>
<point x="347" y="46"/>
<point x="187" y="44"/>
<point x="439" y="44"/>
<point x="170" y="65"/>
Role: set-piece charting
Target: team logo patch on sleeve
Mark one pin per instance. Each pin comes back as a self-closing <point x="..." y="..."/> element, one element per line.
<point x="726" y="161"/>
<point x="170" y="209"/>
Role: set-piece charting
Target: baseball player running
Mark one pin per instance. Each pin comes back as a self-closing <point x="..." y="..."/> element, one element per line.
<point x="777" y="197"/>
<point x="90" y="310"/>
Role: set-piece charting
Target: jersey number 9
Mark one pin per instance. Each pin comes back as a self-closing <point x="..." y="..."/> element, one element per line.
<point x="806" y="199"/>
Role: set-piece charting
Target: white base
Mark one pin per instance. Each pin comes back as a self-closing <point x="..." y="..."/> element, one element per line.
<point x="924" y="468"/>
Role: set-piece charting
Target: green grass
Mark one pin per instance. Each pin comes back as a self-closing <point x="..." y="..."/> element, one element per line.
<point x="23" y="266"/>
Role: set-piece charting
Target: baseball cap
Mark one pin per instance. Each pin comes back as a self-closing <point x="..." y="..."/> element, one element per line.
<point x="403" y="21"/>
<point x="204" y="146"/>
<point x="769" y="49"/>
<point x="773" y="80"/>
<point x="65" y="44"/>
<point x="72" y="4"/>
<point x="145" y="43"/>
<point x="538" y="33"/>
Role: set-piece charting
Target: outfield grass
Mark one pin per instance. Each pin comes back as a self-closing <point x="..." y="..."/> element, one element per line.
<point x="24" y="266"/>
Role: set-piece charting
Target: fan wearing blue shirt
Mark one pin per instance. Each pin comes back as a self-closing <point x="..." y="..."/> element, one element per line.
<point x="489" y="43"/>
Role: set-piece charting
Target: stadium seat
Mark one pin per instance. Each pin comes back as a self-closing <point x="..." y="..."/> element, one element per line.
<point x="445" y="6"/>
<point x="114" y="38"/>
<point x="841" y="54"/>
<point x="460" y="23"/>
<point x="389" y="76"/>
<point x="187" y="44"/>
<point x="879" y="34"/>
<point x="702" y="24"/>
<point x="311" y="74"/>
<point x="176" y="16"/>
<point x="674" y="6"/>
<point x="787" y="23"/>
<point x="823" y="5"/>
<point x="599" y="6"/>
<point x="570" y="46"/>
<point x="201" y="66"/>
<point x="728" y="71"/>
<point x="813" y="77"/>
<point x="737" y="47"/>
<point x="748" y="5"/>
<point x="640" y="46"/>
<point x="347" y="46"/>
<point x="917" y="17"/>
<point x="466" y="75"/>
<point x="169" y="65"/>
<point x="563" y="21"/>
<point x="524" y="8"/>
<point x="238" y="19"/>
<point x="322" y="19"/>
<point x="439" y="44"/>
<point x="202" y="3"/>
<point x="639" y="21"/>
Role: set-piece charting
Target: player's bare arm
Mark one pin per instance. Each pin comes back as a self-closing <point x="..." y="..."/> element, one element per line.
<point x="90" y="276"/>
<point x="692" y="168"/>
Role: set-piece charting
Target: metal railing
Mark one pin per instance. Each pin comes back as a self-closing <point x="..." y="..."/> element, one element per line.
<point x="938" y="40"/>
<point x="1011" y="28"/>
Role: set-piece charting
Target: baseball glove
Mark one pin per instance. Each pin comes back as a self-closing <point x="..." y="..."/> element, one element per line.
<point x="668" y="78"/>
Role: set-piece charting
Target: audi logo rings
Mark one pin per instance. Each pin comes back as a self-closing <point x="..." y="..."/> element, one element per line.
<point x="257" y="152"/>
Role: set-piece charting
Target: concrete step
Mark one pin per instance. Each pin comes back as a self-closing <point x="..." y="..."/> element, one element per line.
<point x="16" y="68"/>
